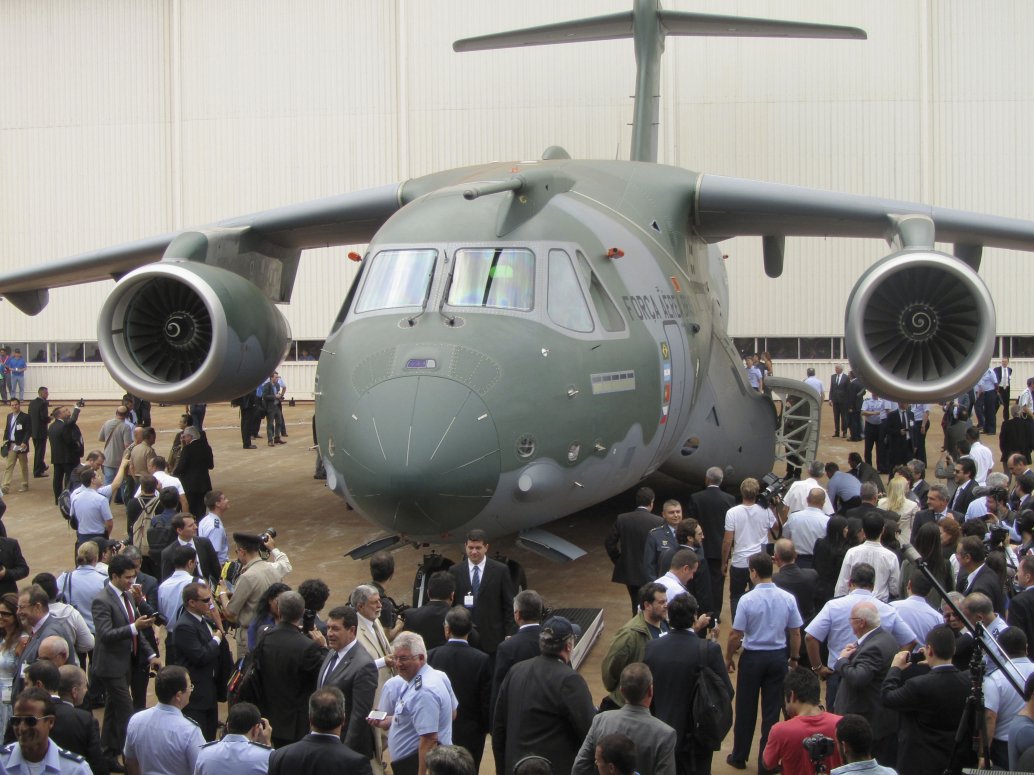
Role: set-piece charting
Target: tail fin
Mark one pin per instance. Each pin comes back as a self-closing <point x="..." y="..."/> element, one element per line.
<point x="649" y="25"/>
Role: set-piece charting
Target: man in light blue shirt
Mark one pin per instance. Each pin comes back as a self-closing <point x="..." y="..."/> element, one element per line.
<point x="874" y="412"/>
<point x="1001" y="701"/>
<point x="16" y="370"/>
<point x="986" y="391"/>
<point x="764" y="618"/>
<point x="854" y="738"/>
<point x="82" y="585"/>
<point x="161" y="740"/>
<point x="808" y="525"/>
<point x="843" y="489"/>
<point x="244" y="749"/>
<point x="915" y="610"/>
<point x="211" y="525"/>
<point x="91" y="508"/>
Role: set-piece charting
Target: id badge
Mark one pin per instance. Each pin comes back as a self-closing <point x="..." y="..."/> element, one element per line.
<point x="468" y="601"/>
<point x="5" y="694"/>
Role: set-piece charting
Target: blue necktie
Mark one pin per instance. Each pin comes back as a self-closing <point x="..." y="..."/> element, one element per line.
<point x="475" y="582"/>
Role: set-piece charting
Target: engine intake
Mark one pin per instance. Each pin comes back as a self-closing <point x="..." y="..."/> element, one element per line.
<point x="186" y="331"/>
<point x="919" y="326"/>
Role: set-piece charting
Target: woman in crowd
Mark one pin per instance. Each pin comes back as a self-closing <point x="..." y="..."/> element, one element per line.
<point x="265" y="613"/>
<point x="951" y="533"/>
<point x="11" y="647"/>
<point x="829" y="556"/>
<point x="896" y="502"/>
<point x="928" y="544"/>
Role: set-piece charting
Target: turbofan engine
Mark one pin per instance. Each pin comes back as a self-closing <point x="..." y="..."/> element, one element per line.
<point x="919" y="327"/>
<point x="187" y="331"/>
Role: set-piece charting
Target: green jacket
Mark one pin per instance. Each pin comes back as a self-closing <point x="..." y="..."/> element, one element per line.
<point x="628" y="646"/>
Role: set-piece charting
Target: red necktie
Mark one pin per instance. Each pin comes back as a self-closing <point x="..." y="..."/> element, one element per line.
<point x="130" y="616"/>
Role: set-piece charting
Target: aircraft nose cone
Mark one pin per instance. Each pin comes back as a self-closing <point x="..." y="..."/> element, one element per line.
<point x="420" y="455"/>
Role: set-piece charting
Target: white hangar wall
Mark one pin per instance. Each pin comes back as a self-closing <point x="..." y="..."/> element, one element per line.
<point x="126" y="118"/>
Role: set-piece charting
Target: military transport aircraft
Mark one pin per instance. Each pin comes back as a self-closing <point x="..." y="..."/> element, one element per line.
<point x="526" y="339"/>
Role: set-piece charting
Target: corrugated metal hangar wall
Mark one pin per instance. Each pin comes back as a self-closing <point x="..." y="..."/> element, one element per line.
<point x="126" y="118"/>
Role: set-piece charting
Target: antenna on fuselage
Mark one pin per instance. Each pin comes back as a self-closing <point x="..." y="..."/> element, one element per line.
<point x="648" y="25"/>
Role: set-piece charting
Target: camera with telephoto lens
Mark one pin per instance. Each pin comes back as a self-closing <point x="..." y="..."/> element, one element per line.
<point x="819" y="747"/>
<point x="270" y="533"/>
<point x="774" y="487"/>
<point x="308" y="620"/>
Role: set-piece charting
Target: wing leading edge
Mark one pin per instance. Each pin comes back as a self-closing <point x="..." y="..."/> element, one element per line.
<point x="337" y="220"/>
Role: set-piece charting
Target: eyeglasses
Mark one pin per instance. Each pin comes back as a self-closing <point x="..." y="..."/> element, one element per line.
<point x="405" y="658"/>
<point x="6" y="613"/>
<point x="205" y="599"/>
<point x="29" y="721"/>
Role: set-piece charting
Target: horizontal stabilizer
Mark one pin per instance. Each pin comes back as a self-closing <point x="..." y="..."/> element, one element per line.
<point x="612" y="27"/>
<point x="716" y="26"/>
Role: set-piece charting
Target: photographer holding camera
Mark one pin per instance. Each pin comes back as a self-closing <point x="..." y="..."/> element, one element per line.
<point x="261" y="565"/>
<point x="794" y="745"/>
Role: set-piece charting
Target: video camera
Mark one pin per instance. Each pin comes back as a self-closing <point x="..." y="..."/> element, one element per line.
<point x="774" y="487"/>
<point x="819" y="748"/>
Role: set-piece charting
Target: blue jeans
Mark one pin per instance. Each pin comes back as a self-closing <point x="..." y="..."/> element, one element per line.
<point x="18" y="386"/>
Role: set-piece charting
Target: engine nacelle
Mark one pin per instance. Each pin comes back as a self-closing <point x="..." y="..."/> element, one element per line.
<point x="182" y="331"/>
<point x="919" y="326"/>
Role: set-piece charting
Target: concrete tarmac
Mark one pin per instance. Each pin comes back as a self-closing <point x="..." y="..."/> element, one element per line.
<point x="274" y="487"/>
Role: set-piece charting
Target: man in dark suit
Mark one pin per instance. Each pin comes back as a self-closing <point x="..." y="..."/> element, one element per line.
<point x="708" y="507"/>
<point x="862" y="669"/>
<point x="208" y="567"/>
<point x="937" y="501"/>
<point x="1021" y="607"/>
<point x="1003" y="374"/>
<point x="900" y="428"/>
<point x="75" y="729"/>
<point x="471" y="679"/>
<point x="17" y="431"/>
<point x="289" y="663"/>
<point x="802" y="583"/>
<point x="321" y="751"/>
<point x="485" y="588"/>
<point x="34" y="617"/>
<point x="197" y="649"/>
<point x="625" y="543"/>
<point x="965" y="476"/>
<point x="66" y="446"/>
<point x="428" y="621"/>
<point x="192" y="469"/>
<point x="13" y="567"/>
<point x="524" y="644"/>
<point x="929" y="705"/>
<point x="675" y="661"/>
<point x="841" y="398"/>
<point x="119" y="649"/>
<point x="975" y="576"/>
<point x="864" y="472"/>
<point x="350" y="668"/>
<point x="917" y="474"/>
<point x="39" y="419"/>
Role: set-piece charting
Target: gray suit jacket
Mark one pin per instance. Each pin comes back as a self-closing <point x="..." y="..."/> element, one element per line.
<point x="861" y="679"/>
<point x="113" y="654"/>
<point x="654" y="740"/>
<point x="356" y="677"/>
<point x="51" y="626"/>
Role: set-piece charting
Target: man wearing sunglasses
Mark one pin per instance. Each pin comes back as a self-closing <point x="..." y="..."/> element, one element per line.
<point x="32" y="721"/>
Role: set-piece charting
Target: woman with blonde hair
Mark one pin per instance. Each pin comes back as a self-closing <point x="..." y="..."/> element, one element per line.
<point x="11" y="647"/>
<point x="896" y="502"/>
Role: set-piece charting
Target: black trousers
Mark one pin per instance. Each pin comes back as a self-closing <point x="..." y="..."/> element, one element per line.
<point x="760" y="672"/>
<point x="39" y="452"/>
<point x="407" y="765"/>
<point x="739" y="583"/>
<point x="206" y="718"/>
<point x="841" y="409"/>
<point x="62" y="475"/>
<point x="714" y="570"/>
<point x="118" y="707"/>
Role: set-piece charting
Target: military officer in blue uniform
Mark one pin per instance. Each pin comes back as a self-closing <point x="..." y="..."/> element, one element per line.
<point x="161" y="740"/>
<point x="661" y="539"/>
<point x="34" y="752"/>
<point x="244" y="749"/>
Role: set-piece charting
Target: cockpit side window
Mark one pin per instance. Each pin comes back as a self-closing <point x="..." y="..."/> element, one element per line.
<point x="606" y="309"/>
<point x="397" y="278"/>
<point x="565" y="303"/>
<point x="503" y="278"/>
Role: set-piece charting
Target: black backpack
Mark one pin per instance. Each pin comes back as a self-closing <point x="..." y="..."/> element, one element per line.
<point x="712" y="706"/>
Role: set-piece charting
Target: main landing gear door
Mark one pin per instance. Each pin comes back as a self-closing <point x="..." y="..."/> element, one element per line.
<point x="798" y="411"/>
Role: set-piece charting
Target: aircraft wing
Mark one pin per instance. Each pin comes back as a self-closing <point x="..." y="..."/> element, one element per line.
<point x="729" y="207"/>
<point x="337" y="220"/>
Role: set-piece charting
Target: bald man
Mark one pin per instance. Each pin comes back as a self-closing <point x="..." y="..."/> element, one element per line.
<point x="54" y="648"/>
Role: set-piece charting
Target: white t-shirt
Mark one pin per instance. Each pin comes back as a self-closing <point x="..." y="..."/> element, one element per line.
<point x="751" y="525"/>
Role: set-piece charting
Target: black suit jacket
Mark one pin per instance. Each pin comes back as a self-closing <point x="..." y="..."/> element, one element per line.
<point x="964" y="496"/>
<point x="66" y="441"/>
<point x="209" y="569"/>
<point x="921" y="490"/>
<point x="493" y="608"/>
<point x="39" y="417"/>
<point x="700" y="585"/>
<point x="1015" y="436"/>
<point x="428" y="621"/>
<point x="76" y="730"/>
<point x="929" y="707"/>
<point x="708" y="507"/>
<point x="624" y="545"/>
<point x="676" y="658"/>
<point x="11" y="559"/>
<point x="1021" y="614"/>
<point x="197" y="650"/>
<point x="356" y="677"/>
<point x="517" y="648"/>
<point x="803" y="584"/>
<point x="861" y="680"/>
<point x="927" y="515"/>
<point x="902" y="447"/>
<point x="113" y="654"/>
<point x="468" y="670"/>
<point x="193" y="466"/>
<point x="317" y="755"/>
<point x="290" y="664"/>
<point x="987" y="582"/>
<point x="840" y="391"/>
<point x="866" y="473"/>
<point x="22" y="428"/>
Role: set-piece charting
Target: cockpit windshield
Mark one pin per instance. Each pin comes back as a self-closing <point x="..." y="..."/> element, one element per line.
<point x="503" y="278"/>
<point x="397" y="278"/>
